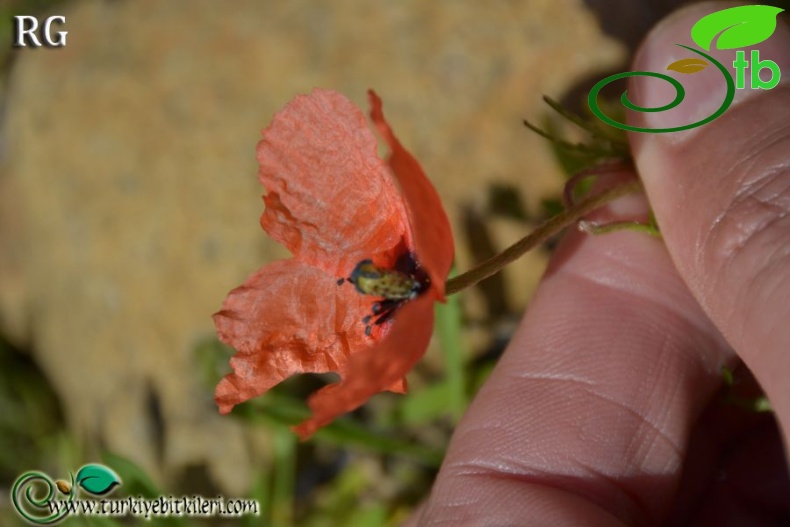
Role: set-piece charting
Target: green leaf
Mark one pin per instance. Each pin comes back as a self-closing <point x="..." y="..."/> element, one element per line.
<point x="728" y="375"/>
<point x="428" y="404"/>
<point x="97" y="479"/>
<point x="348" y="434"/>
<point x="283" y="477"/>
<point x="281" y="410"/>
<point x="762" y="404"/>
<point x="368" y="515"/>
<point x="739" y="27"/>
<point x="261" y="491"/>
<point x="604" y="142"/>
<point x="98" y="521"/>
<point x="551" y="207"/>
<point x="448" y="329"/>
<point x="137" y="481"/>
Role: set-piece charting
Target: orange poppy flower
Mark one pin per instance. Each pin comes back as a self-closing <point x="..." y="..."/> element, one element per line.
<point x="368" y="262"/>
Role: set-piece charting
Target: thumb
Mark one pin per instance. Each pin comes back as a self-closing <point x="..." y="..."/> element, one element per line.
<point x="721" y="192"/>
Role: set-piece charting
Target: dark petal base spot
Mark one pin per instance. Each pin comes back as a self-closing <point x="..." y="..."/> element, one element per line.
<point x="382" y="312"/>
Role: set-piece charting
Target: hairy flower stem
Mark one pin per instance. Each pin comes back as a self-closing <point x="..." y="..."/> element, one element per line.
<point x="545" y="231"/>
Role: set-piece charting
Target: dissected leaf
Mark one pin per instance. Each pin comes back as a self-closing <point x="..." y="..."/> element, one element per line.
<point x="603" y="142"/>
<point x="688" y="66"/>
<point x="558" y="141"/>
<point x="738" y="27"/>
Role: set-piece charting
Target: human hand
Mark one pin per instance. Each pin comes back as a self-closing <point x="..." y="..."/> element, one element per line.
<point x="604" y="408"/>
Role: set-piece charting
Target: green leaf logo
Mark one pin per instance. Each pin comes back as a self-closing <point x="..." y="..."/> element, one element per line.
<point x="739" y="27"/>
<point x="97" y="479"/>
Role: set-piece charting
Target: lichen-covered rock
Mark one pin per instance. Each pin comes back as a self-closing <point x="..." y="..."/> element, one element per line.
<point x="129" y="201"/>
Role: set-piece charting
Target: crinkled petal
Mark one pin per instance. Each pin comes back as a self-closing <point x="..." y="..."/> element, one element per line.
<point x="287" y="318"/>
<point x="433" y="237"/>
<point x="376" y="369"/>
<point x="330" y="198"/>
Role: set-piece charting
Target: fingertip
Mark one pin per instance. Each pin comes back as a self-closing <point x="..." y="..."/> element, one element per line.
<point x="721" y="191"/>
<point x="715" y="88"/>
<point x="602" y="382"/>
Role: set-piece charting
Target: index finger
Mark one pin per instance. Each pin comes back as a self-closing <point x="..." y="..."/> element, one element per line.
<point x="585" y="419"/>
<point x="721" y="193"/>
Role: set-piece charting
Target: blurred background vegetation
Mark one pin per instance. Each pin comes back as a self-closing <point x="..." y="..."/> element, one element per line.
<point x="129" y="207"/>
<point x="369" y="468"/>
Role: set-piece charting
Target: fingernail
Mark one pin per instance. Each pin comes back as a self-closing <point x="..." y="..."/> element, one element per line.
<point x="705" y="90"/>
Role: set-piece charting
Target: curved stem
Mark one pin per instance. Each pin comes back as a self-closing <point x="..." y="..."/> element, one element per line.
<point x="607" y="167"/>
<point x="545" y="231"/>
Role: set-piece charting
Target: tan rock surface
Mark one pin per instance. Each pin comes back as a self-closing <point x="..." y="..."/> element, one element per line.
<point x="129" y="202"/>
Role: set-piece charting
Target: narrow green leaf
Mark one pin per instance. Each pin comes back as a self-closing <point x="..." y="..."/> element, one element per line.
<point x="615" y="226"/>
<point x="261" y="492"/>
<point x="284" y="477"/>
<point x="448" y="329"/>
<point x="579" y="147"/>
<point x="99" y="521"/>
<point x="279" y="410"/>
<point x="136" y="481"/>
<point x="588" y="125"/>
<point x="426" y="405"/>
<point x="347" y="433"/>
<point x="762" y="404"/>
<point x="551" y="207"/>
<point x="367" y="516"/>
